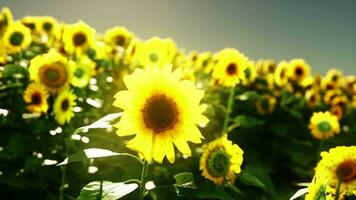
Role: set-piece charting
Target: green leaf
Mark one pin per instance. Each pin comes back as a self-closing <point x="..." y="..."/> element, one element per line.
<point x="93" y="153"/>
<point x="11" y="70"/>
<point x="107" y="189"/>
<point x="185" y="179"/>
<point x="249" y="179"/>
<point x="247" y="121"/>
<point x="101" y="123"/>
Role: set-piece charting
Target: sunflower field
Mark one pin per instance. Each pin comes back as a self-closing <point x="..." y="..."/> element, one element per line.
<point x="88" y="115"/>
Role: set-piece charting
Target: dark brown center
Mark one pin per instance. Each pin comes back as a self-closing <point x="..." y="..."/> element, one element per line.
<point x="299" y="71"/>
<point x="79" y="39"/>
<point x="120" y="40"/>
<point x="231" y="69"/>
<point x="36" y="98"/>
<point x="65" y="105"/>
<point x="346" y="170"/>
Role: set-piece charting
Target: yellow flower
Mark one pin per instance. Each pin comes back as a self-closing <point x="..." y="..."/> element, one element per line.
<point x="5" y="19"/>
<point x="266" y="104"/>
<point x="84" y="69"/>
<point x="333" y="79"/>
<point x="155" y="52"/>
<point x="249" y="74"/>
<point x="221" y="160"/>
<point x="324" y="125"/>
<point x="298" y="70"/>
<point x="230" y="67"/>
<point x="17" y="37"/>
<point x="350" y="84"/>
<point x="3" y="54"/>
<point x="36" y="96"/>
<point x="338" y="111"/>
<point x="312" y="97"/>
<point x="51" y="70"/>
<point x="132" y="53"/>
<point x="318" y="189"/>
<point x="339" y="163"/>
<point x="160" y="110"/>
<point x="339" y="100"/>
<point x="48" y="26"/>
<point x="30" y="22"/>
<point x="63" y="106"/>
<point x="280" y="74"/>
<point x="118" y="36"/>
<point x="264" y="67"/>
<point x="78" y="37"/>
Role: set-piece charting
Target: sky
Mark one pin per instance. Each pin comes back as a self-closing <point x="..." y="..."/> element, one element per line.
<point x="323" y="32"/>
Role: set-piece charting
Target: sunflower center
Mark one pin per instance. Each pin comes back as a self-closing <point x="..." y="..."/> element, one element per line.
<point x="16" y="38"/>
<point x="324" y="126"/>
<point x="79" y="73"/>
<point x="47" y="26"/>
<point x="65" y="105"/>
<point x="36" y="98"/>
<point x="160" y="113"/>
<point x="346" y="170"/>
<point x="271" y="67"/>
<point x="153" y="57"/>
<point x="120" y="40"/>
<point x="231" y="69"/>
<point x="299" y="71"/>
<point x="219" y="163"/>
<point x="53" y="75"/>
<point x="79" y="39"/>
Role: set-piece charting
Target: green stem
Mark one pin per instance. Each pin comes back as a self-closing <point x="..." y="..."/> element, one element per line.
<point x="143" y="180"/>
<point x="320" y="148"/>
<point x="64" y="168"/>
<point x="337" y="194"/>
<point x="230" y="103"/>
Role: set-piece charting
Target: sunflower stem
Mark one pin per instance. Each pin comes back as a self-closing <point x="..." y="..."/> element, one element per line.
<point x="143" y="180"/>
<point x="337" y="193"/>
<point x="64" y="170"/>
<point x="320" y="148"/>
<point x="230" y="103"/>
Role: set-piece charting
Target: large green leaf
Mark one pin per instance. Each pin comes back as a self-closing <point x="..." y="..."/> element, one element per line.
<point x="185" y="179"/>
<point x="106" y="190"/>
<point x="249" y="179"/>
<point x="104" y="122"/>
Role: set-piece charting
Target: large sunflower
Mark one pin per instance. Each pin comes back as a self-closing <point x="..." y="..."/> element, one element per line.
<point x="52" y="70"/>
<point x="17" y="37"/>
<point x="221" y="160"/>
<point x="84" y="69"/>
<point x="63" y="106"/>
<point x="78" y="37"/>
<point x="118" y="36"/>
<point x="36" y="96"/>
<point x="5" y="19"/>
<point x="230" y="67"/>
<point x="324" y="125"/>
<point x="339" y="163"/>
<point x="160" y="110"/>
<point x="298" y="70"/>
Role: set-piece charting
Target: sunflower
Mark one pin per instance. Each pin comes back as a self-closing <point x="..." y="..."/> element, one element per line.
<point x="298" y="70"/>
<point x="78" y="37"/>
<point x="3" y="54"/>
<point x="324" y="125"/>
<point x="339" y="100"/>
<point x="132" y="53"/>
<point x="30" y="22"/>
<point x="63" y="106"/>
<point x="36" y="96"/>
<point x="266" y="104"/>
<point x="84" y="69"/>
<point x="48" y="26"/>
<point x="249" y="74"/>
<point x="155" y="52"/>
<point x="264" y="67"/>
<point x="312" y="96"/>
<point x="339" y="163"/>
<point x="160" y="110"/>
<point x="350" y="84"/>
<point x="221" y="160"/>
<point x="319" y="189"/>
<point x="52" y="70"/>
<point x="280" y="74"/>
<point x="230" y="67"/>
<point x="333" y="79"/>
<point x="338" y="111"/>
<point x="5" y="19"/>
<point x="118" y="36"/>
<point x="17" y="37"/>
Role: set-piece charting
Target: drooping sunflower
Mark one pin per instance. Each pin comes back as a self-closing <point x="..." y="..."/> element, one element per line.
<point x="84" y="69"/>
<point x="339" y="163"/>
<point x="118" y="36"/>
<point x="5" y="19"/>
<point x="324" y="125"/>
<point x="280" y="74"/>
<point x="78" y="37"/>
<point x="230" y="67"/>
<point x="298" y="70"/>
<point x="36" y="96"/>
<point x="266" y="104"/>
<point x="17" y="37"/>
<point x="155" y="52"/>
<point x="63" y="106"/>
<point x="160" y="110"/>
<point x="51" y="70"/>
<point x="221" y="160"/>
<point x="312" y="96"/>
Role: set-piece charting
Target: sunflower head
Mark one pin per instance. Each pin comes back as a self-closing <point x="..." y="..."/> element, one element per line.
<point x="249" y="74"/>
<point x="333" y="79"/>
<point x="17" y="37"/>
<point x="264" y="67"/>
<point x="51" y="70"/>
<point x="230" y="67"/>
<point x="5" y="19"/>
<point x="48" y="26"/>
<point x="221" y="160"/>
<point x="155" y="52"/>
<point x="298" y="70"/>
<point x="84" y="69"/>
<point x="63" y="106"/>
<point x="118" y="36"/>
<point x="324" y="125"/>
<point x="36" y="96"/>
<point x="280" y="74"/>
<point x="78" y="37"/>
<point x="160" y="110"/>
<point x="266" y="104"/>
<point x="312" y="96"/>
